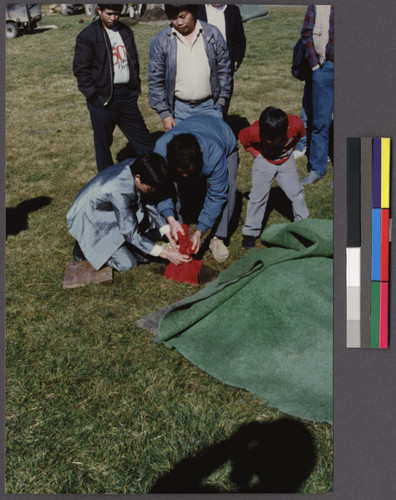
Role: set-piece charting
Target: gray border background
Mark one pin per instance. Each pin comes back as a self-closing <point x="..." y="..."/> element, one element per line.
<point x="364" y="380"/>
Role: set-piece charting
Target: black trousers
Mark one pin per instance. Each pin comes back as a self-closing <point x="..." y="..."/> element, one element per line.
<point x="122" y="110"/>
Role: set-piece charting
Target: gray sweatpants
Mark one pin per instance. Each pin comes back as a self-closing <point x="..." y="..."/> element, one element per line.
<point x="263" y="173"/>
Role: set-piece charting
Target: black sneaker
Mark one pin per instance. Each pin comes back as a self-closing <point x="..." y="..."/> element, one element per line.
<point x="248" y="242"/>
<point x="78" y="256"/>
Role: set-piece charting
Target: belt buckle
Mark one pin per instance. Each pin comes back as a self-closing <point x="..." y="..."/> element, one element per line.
<point x="193" y="102"/>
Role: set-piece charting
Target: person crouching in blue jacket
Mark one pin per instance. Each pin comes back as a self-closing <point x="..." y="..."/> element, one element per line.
<point x="202" y="161"/>
<point x="111" y="216"/>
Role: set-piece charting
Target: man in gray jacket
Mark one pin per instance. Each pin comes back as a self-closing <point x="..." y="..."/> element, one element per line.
<point x="110" y="217"/>
<point x="189" y="68"/>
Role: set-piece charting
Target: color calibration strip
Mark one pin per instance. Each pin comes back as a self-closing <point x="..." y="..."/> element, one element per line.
<point x="380" y="243"/>
<point x="368" y="237"/>
<point x="353" y="242"/>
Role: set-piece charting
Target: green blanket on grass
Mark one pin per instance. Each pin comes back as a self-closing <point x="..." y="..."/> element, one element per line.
<point x="265" y="324"/>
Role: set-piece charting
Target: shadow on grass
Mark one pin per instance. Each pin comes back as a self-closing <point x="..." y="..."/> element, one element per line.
<point x="237" y="123"/>
<point x="274" y="457"/>
<point x="17" y="217"/>
<point x="128" y="152"/>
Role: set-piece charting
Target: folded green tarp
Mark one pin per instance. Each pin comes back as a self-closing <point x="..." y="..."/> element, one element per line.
<point x="265" y="324"/>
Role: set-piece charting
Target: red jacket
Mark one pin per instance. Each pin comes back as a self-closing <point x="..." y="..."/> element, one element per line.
<point x="250" y="140"/>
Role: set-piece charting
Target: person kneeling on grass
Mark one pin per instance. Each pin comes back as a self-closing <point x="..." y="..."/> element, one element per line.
<point x="112" y="217"/>
<point x="271" y="141"/>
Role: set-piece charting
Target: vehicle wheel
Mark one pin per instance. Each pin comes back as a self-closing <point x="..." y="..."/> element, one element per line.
<point x="66" y="9"/>
<point x="143" y="8"/>
<point x="11" y="30"/>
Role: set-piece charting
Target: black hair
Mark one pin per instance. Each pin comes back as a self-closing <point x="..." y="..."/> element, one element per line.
<point x="152" y="169"/>
<point x="183" y="151"/>
<point x="172" y="10"/>
<point x="115" y="7"/>
<point x="273" y="123"/>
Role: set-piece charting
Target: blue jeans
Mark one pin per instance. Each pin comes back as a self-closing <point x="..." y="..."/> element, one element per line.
<point x="183" y="110"/>
<point x="322" y="111"/>
<point x="306" y="117"/>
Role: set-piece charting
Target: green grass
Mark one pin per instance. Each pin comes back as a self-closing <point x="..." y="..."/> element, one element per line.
<point x="93" y="405"/>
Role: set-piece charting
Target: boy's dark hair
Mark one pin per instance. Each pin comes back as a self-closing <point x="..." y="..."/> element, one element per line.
<point x="116" y="7"/>
<point x="273" y="123"/>
<point x="172" y="10"/>
<point x="152" y="169"/>
<point x="182" y="152"/>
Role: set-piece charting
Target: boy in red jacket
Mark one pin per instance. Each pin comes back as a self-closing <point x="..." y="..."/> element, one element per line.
<point x="271" y="140"/>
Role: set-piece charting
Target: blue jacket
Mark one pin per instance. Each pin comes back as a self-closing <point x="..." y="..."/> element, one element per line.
<point x="162" y="68"/>
<point x="217" y="143"/>
<point x="107" y="212"/>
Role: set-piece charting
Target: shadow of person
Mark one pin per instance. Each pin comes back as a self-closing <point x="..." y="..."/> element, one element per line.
<point x="17" y="217"/>
<point x="237" y="123"/>
<point x="128" y="151"/>
<point x="271" y="457"/>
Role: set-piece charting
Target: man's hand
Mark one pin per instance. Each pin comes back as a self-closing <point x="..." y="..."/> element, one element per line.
<point x="171" y="240"/>
<point x="196" y="240"/>
<point x="174" y="256"/>
<point x="175" y="227"/>
<point x="317" y="66"/>
<point x="169" y="123"/>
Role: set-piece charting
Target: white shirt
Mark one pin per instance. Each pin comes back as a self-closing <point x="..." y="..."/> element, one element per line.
<point x="216" y="17"/>
<point x="192" y="70"/>
<point x="120" y="60"/>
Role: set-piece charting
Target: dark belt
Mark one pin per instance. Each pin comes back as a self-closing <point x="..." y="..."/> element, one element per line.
<point x="194" y="102"/>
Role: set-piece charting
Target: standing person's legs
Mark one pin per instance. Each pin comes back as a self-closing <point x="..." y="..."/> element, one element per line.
<point x="131" y="122"/>
<point x="225" y="218"/>
<point x="287" y="178"/>
<point x="263" y="173"/>
<point x="103" y="121"/>
<point x="322" y="110"/>
<point x="306" y="117"/>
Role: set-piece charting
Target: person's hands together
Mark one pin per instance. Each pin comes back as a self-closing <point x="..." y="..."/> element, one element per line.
<point x="175" y="227"/>
<point x="174" y="256"/>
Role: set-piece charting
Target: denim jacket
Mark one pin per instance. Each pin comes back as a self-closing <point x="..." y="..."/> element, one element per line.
<point x="162" y="68"/>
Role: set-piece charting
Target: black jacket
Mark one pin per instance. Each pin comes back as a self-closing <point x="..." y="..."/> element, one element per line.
<point x="235" y="34"/>
<point x="93" y="61"/>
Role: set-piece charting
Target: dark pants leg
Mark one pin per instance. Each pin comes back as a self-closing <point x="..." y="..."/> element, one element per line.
<point x="123" y="111"/>
<point x="132" y="125"/>
<point x="103" y="121"/>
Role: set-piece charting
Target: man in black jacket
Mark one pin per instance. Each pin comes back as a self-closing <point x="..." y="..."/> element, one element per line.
<point x="227" y="18"/>
<point x="107" y="70"/>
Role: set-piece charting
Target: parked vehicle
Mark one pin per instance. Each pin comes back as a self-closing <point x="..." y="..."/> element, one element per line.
<point x="131" y="9"/>
<point x="21" y="16"/>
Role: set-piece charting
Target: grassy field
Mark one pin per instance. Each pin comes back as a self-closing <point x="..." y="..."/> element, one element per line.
<point x="93" y="405"/>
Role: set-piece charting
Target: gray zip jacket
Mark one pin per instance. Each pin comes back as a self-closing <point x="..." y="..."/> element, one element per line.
<point x="107" y="212"/>
<point x="162" y="68"/>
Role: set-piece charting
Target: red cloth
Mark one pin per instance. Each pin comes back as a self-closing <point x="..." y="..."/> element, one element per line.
<point x="187" y="272"/>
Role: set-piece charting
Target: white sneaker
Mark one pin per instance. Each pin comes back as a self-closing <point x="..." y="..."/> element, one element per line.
<point x="299" y="154"/>
<point x="219" y="250"/>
